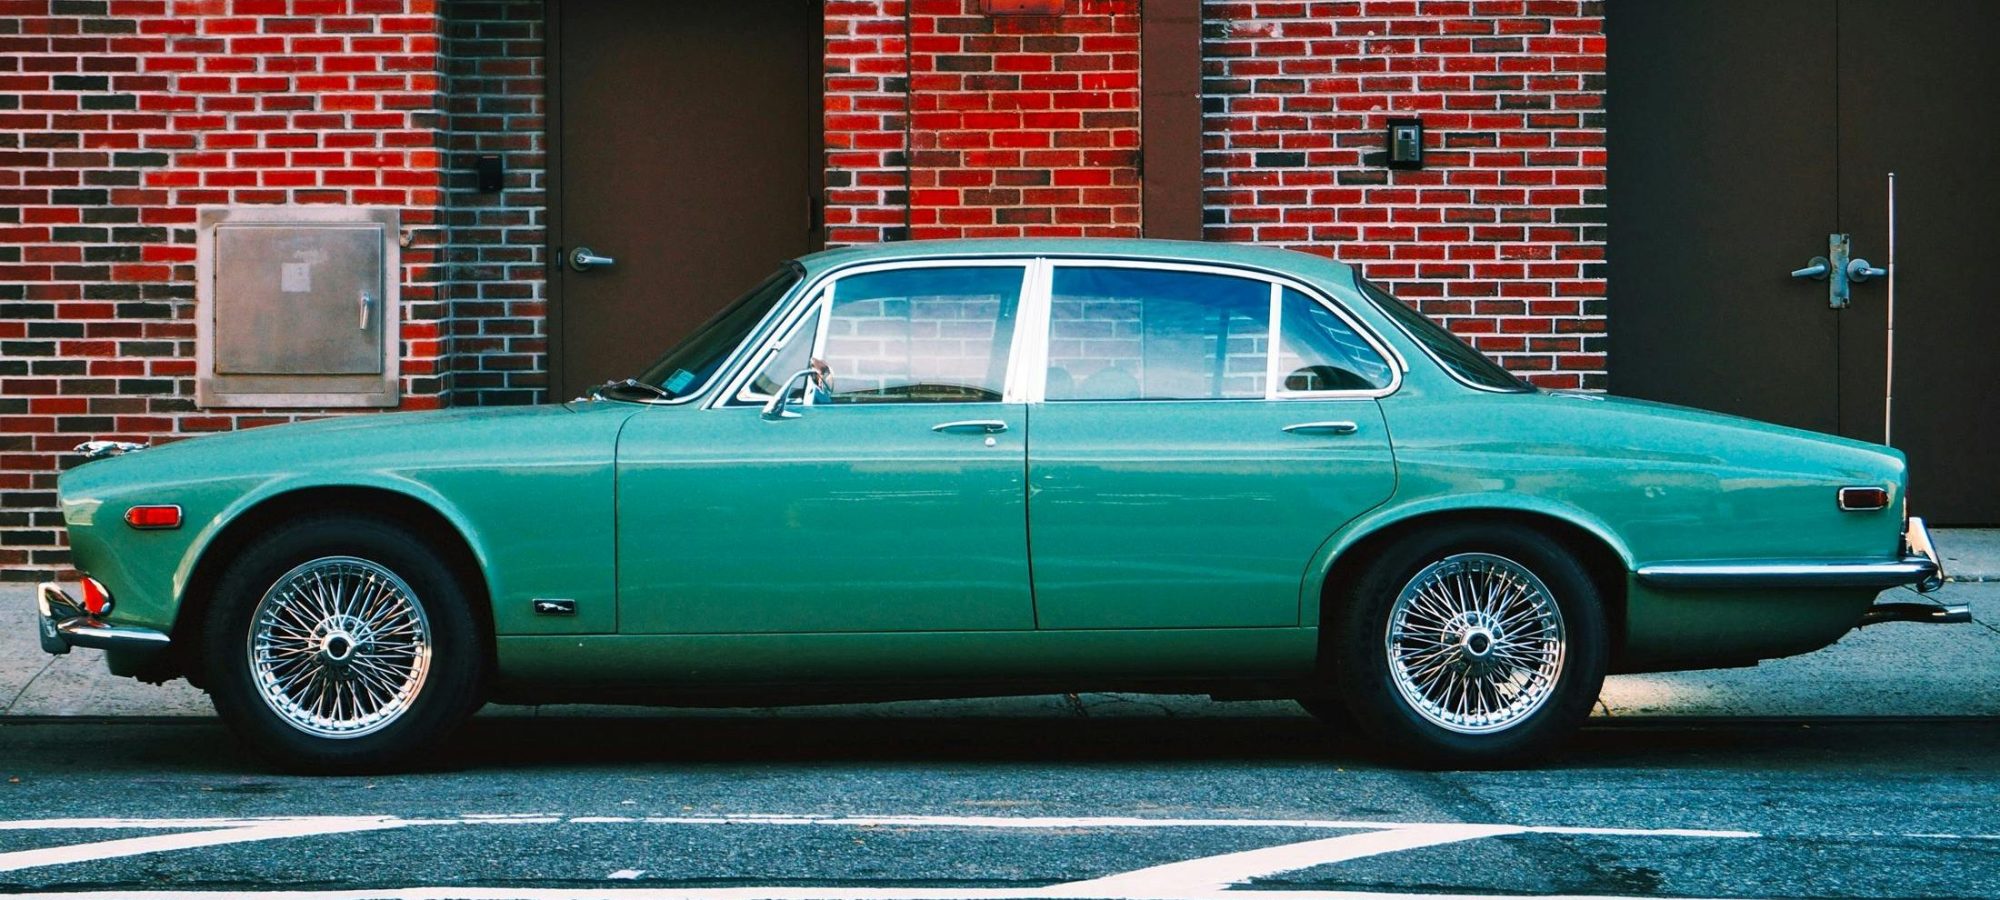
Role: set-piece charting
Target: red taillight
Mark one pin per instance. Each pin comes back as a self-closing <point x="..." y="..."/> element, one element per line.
<point x="1861" y="499"/>
<point x="96" y="600"/>
<point x="165" y="516"/>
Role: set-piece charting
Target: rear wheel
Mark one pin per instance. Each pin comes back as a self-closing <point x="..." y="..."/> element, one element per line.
<point x="1471" y="646"/>
<point x="340" y="643"/>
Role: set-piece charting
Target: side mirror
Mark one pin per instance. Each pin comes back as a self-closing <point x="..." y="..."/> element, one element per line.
<point x="816" y="375"/>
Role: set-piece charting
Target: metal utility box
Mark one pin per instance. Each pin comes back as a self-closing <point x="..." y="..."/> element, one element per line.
<point x="297" y="307"/>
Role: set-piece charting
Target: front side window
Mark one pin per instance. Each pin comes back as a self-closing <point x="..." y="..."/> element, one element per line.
<point x="939" y="334"/>
<point x="1148" y="334"/>
<point x="1319" y="351"/>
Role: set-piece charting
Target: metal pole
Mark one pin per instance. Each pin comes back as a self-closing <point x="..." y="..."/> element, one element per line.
<point x="1889" y="376"/>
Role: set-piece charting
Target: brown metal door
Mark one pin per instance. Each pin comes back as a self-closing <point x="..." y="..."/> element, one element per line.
<point x="1721" y="146"/>
<point x="686" y="152"/>
<point x="1740" y="135"/>
<point x="1917" y="85"/>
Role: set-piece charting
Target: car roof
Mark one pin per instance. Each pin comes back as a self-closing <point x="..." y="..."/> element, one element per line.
<point x="1248" y="255"/>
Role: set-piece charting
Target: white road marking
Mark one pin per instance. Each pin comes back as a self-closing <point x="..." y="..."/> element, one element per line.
<point x="1220" y="872"/>
<point x="184" y="840"/>
<point x="1208" y="878"/>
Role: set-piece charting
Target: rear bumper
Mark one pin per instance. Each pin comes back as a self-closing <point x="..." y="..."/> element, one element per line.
<point x="64" y="624"/>
<point x="1918" y="566"/>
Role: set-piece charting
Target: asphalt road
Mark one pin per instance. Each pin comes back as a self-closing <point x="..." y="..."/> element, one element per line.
<point x="1869" y="769"/>
<point x="697" y="806"/>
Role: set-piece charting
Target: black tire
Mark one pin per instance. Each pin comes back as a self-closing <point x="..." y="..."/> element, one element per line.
<point x="1363" y="672"/>
<point x="451" y="689"/>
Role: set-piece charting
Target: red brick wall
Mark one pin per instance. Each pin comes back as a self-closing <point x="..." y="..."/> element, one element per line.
<point x="495" y="103"/>
<point x="867" y="121"/>
<point x="1024" y="125"/>
<point x="1501" y="236"/>
<point x="119" y="120"/>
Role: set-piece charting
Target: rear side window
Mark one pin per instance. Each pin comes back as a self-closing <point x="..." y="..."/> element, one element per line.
<point x="1319" y="351"/>
<point x="1457" y="357"/>
<point x="1147" y="334"/>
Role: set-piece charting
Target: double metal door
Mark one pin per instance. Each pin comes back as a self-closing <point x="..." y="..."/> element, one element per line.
<point x="1748" y="139"/>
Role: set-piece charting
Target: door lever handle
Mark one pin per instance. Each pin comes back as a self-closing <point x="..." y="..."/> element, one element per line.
<point x="974" y="426"/>
<point x="1322" y="428"/>
<point x="584" y="258"/>
<point x="1858" y="270"/>
<point x="1816" y="269"/>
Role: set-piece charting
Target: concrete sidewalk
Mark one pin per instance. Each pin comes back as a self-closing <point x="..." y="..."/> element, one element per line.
<point x="1897" y="669"/>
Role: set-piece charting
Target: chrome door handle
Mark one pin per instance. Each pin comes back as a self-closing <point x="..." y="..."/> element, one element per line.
<point x="584" y="258"/>
<point x="1858" y="270"/>
<point x="1322" y="428"/>
<point x="975" y="426"/>
<point x="366" y="302"/>
<point x="1816" y="269"/>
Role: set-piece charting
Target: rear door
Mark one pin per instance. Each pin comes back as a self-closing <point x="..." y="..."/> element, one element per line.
<point x="1181" y="473"/>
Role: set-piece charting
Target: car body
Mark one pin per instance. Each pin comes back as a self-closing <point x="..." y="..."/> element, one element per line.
<point x="1037" y="465"/>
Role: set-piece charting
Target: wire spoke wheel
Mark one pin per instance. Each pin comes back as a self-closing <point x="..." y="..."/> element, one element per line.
<point x="1475" y="643"/>
<point x="339" y="647"/>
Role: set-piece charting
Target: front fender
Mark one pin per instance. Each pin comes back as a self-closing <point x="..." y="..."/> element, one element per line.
<point x="276" y="488"/>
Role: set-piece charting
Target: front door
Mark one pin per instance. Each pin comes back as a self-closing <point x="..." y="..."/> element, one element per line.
<point x="1742" y="135"/>
<point x="1182" y="474"/>
<point x="891" y="501"/>
<point x="684" y="157"/>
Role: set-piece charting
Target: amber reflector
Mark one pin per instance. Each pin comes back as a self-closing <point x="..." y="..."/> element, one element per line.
<point x="153" y="517"/>
<point x="1863" y="498"/>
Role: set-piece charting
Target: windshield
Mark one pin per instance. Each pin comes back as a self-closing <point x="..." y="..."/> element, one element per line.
<point x="1455" y="355"/>
<point x="688" y="367"/>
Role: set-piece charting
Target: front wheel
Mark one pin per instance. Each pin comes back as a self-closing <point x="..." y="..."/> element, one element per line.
<point x="342" y="643"/>
<point x="1471" y="646"/>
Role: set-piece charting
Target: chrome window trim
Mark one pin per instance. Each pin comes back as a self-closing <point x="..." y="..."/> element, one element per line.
<point x="756" y="362"/>
<point x="714" y="394"/>
<point x="1787" y="573"/>
<point x="819" y="296"/>
<point x="1278" y="283"/>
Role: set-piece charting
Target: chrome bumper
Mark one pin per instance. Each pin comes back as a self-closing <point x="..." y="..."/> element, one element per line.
<point x="1919" y="566"/>
<point x="64" y="624"/>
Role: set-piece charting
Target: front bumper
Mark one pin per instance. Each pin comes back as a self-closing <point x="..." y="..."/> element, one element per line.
<point x="1918" y="566"/>
<point x="64" y="624"/>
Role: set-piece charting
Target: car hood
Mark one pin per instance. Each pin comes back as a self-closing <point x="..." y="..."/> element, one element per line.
<point x="380" y="441"/>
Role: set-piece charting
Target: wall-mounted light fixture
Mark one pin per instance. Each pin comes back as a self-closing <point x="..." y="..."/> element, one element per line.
<point x="1406" y="143"/>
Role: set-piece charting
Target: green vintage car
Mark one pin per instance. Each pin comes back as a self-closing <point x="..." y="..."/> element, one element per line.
<point x="983" y="468"/>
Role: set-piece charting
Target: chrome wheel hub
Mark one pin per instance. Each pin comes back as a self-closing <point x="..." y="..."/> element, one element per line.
<point x="1475" y="643"/>
<point x="339" y="647"/>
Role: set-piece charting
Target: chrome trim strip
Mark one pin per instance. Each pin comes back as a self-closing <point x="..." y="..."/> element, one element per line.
<point x="1788" y="573"/>
<point x="64" y="624"/>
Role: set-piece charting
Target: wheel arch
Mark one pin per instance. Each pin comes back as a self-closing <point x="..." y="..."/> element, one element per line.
<point x="1603" y="558"/>
<point x="443" y="532"/>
